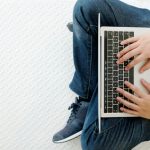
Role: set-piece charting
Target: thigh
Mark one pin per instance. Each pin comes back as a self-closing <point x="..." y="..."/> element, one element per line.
<point x="145" y="129"/>
<point x="86" y="14"/>
<point x="117" y="134"/>
<point x="124" y="135"/>
<point x="128" y="15"/>
<point x="113" y="13"/>
<point x="90" y="138"/>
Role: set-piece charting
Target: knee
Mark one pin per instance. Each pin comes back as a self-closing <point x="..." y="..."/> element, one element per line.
<point x="89" y="6"/>
<point x="84" y="7"/>
<point x="85" y="13"/>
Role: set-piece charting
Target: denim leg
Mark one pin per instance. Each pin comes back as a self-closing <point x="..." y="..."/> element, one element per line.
<point x="124" y="134"/>
<point x="85" y="45"/>
<point x="113" y="13"/>
<point x="85" y="14"/>
<point x="117" y="133"/>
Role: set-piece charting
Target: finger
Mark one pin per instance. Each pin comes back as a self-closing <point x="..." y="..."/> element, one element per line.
<point x="127" y="49"/>
<point x="145" y="67"/>
<point x="135" y="61"/>
<point x="130" y="40"/>
<point x="128" y="55"/>
<point x="135" y="89"/>
<point x="145" y="84"/>
<point x="132" y="112"/>
<point x="131" y="97"/>
<point x="128" y="104"/>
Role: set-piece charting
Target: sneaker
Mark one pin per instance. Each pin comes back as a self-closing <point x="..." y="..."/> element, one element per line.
<point x="70" y="26"/>
<point x="75" y="122"/>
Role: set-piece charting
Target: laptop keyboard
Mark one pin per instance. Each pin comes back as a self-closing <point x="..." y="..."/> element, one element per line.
<point x="115" y="74"/>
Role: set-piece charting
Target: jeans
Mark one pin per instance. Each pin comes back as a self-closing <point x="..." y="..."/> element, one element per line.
<point x="117" y="133"/>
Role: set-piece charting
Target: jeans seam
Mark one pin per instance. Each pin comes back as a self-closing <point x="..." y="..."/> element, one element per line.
<point x="91" y="59"/>
<point x="92" y="25"/>
<point x="89" y="81"/>
<point x="112" y="11"/>
<point x="81" y="8"/>
<point x="86" y="29"/>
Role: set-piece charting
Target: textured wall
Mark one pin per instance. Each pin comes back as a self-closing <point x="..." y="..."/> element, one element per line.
<point x="35" y="70"/>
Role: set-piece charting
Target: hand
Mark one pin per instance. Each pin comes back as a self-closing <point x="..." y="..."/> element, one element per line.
<point x="140" y="47"/>
<point x="138" y="104"/>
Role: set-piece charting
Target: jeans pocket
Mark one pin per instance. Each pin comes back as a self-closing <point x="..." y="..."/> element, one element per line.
<point x="96" y="130"/>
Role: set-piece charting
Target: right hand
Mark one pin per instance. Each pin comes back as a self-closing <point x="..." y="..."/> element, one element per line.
<point x="140" y="47"/>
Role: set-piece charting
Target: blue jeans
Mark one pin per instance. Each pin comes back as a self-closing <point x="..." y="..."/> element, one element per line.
<point x="117" y="133"/>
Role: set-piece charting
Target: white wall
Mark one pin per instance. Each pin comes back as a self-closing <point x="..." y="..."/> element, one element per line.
<point x="35" y="69"/>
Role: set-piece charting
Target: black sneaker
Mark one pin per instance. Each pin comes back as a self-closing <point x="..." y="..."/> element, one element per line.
<point x="74" y="124"/>
<point x="70" y="26"/>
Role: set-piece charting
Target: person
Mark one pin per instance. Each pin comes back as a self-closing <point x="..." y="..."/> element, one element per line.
<point x="116" y="133"/>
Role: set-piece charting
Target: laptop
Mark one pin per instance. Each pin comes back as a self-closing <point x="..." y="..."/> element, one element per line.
<point x="112" y="75"/>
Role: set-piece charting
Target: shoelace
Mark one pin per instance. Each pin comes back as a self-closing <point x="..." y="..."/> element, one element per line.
<point x="75" y="107"/>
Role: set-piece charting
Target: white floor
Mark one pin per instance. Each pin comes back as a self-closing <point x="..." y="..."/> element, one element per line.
<point x="35" y="69"/>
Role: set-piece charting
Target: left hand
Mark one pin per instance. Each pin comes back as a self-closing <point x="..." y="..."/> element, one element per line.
<point x="140" y="103"/>
<point x="138" y="46"/>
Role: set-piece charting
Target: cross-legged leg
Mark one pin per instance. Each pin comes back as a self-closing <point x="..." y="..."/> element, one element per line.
<point x="113" y="13"/>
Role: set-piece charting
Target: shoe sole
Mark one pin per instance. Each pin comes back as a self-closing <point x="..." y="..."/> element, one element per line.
<point x="69" y="138"/>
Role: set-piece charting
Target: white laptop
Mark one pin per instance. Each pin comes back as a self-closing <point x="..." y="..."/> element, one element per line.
<point x="112" y="75"/>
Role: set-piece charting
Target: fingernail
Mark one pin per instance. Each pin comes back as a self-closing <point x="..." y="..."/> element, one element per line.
<point x="118" y="89"/>
<point x="126" y="68"/>
<point x="141" y="71"/>
<point x="121" y="43"/>
<point x="126" y="82"/>
<point x="143" y="80"/>
<point x="121" y="108"/>
<point x="118" y="55"/>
